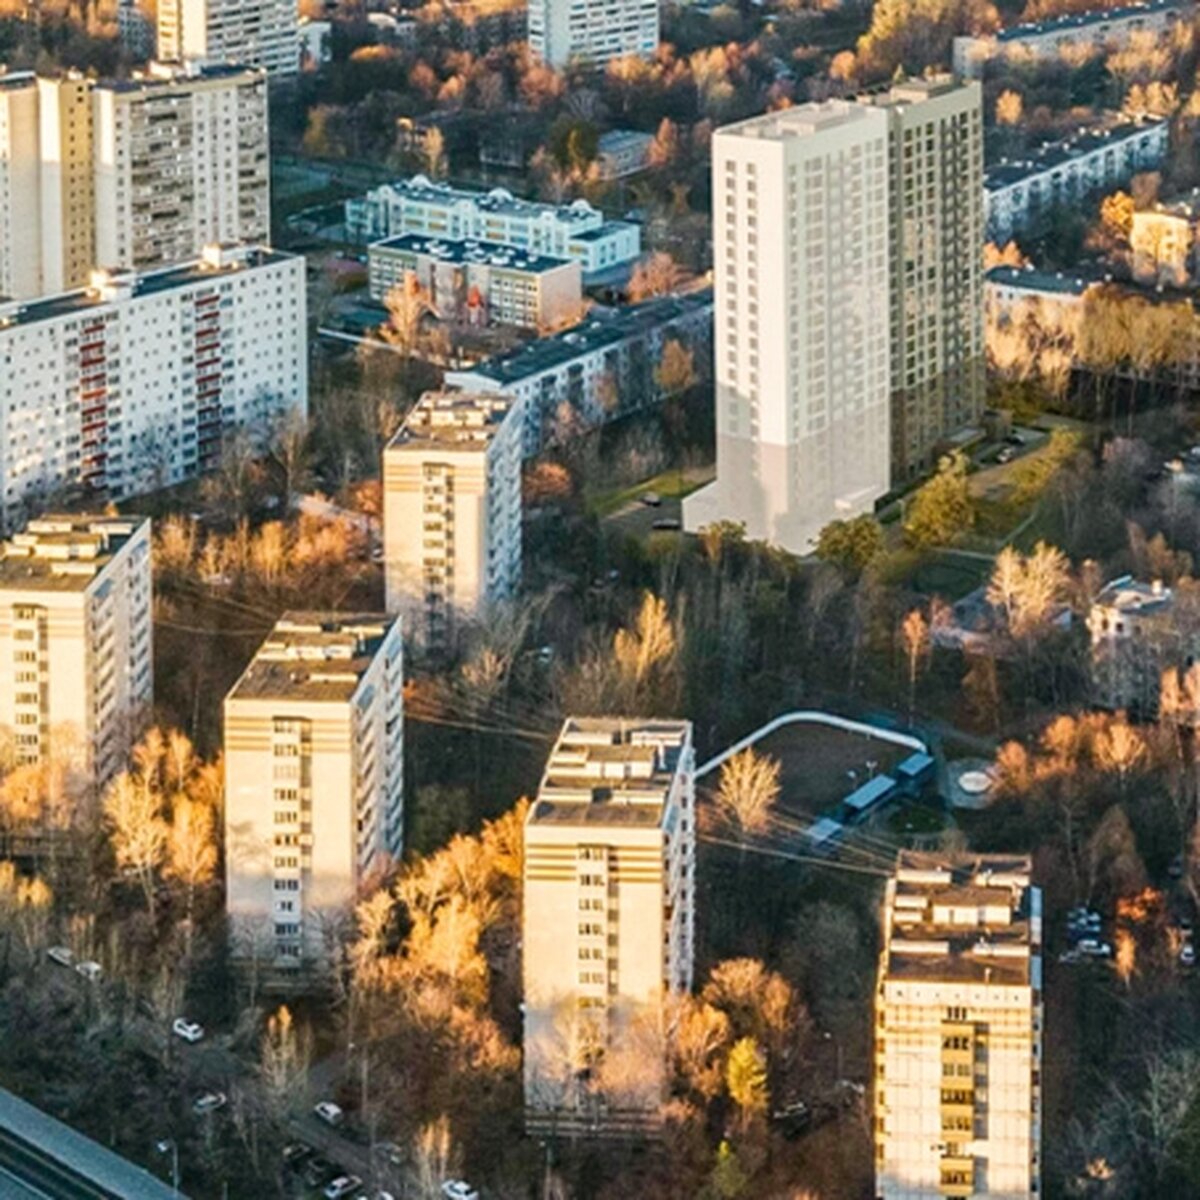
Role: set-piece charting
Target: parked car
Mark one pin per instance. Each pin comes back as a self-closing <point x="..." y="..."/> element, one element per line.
<point x="209" y="1103"/>
<point x="650" y="500"/>
<point x="328" y="1112"/>
<point x="1006" y="454"/>
<point x="1091" y="948"/>
<point x="456" y="1189"/>
<point x="91" y="971"/>
<point x="296" y="1154"/>
<point x="343" y="1185"/>
<point x="189" y="1031"/>
<point x="319" y="1170"/>
<point x="666" y="523"/>
<point x="61" y="955"/>
<point x="1187" y="955"/>
<point x="390" y="1152"/>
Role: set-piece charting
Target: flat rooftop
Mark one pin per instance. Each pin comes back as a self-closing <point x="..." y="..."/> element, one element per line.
<point x="171" y="75"/>
<point x="802" y="120"/>
<point x="963" y="918"/>
<point x="914" y="91"/>
<point x="469" y="252"/>
<point x="110" y="287"/>
<point x="453" y="421"/>
<point x="611" y="771"/>
<point x="314" y="656"/>
<point x="1100" y="16"/>
<point x="63" y="553"/>
<point x="1060" y="283"/>
<point x="601" y="328"/>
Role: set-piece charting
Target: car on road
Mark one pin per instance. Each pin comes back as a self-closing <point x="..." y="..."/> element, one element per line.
<point x="330" y="1113"/>
<point x="319" y="1170"/>
<point x="91" y="971"/>
<point x="650" y="499"/>
<point x="209" y="1103"/>
<point x="667" y="523"/>
<point x="343" y="1185"/>
<point x="1006" y="455"/>
<point x="296" y="1154"/>
<point x="457" y="1189"/>
<point x="189" y="1031"/>
<point x="389" y="1152"/>
<point x="1187" y="955"/>
<point x="61" y="955"/>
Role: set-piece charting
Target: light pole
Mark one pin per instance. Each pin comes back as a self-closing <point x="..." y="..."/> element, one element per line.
<point x="171" y="1147"/>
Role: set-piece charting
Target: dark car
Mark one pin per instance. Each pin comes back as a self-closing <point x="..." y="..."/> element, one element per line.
<point x="296" y="1154"/>
<point x="319" y="1171"/>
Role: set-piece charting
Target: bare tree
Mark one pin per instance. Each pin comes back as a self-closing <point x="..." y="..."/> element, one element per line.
<point x="748" y="790"/>
<point x="137" y="830"/>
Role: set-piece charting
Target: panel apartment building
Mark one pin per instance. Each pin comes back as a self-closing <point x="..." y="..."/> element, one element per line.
<point x="251" y="33"/>
<point x="76" y="640"/>
<point x="129" y="385"/>
<point x="801" y="246"/>
<point x="452" y="511"/>
<point x="181" y="162"/>
<point x="314" y="753"/>
<point x="958" y="1031"/>
<point x="609" y="910"/>
<point x="565" y="31"/>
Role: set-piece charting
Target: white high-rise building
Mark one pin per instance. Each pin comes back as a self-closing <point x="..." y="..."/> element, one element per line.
<point x="314" y="751"/>
<point x="130" y="384"/>
<point x="452" y="511"/>
<point x="252" y="33"/>
<point x="608" y="921"/>
<point x="593" y="31"/>
<point x="800" y="239"/>
<point x="181" y="162"/>
<point x="958" y="1030"/>
<point x="76" y="640"/>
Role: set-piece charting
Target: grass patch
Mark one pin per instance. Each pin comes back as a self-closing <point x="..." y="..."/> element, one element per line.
<point x="917" y="818"/>
<point x="670" y="485"/>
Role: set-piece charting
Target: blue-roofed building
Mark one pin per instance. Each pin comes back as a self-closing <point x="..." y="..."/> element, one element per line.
<point x="863" y="801"/>
<point x="913" y="771"/>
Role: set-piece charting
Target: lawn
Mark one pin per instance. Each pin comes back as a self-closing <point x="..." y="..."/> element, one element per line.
<point x="670" y="485"/>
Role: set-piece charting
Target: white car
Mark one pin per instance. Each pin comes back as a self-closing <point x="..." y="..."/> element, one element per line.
<point x="343" y="1185"/>
<point x="61" y="955"/>
<point x="91" y="971"/>
<point x="456" y="1189"/>
<point x="1187" y="956"/>
<point x="208" y="1103"/>
<point x="328" y="1112"/>
<point x="188" y="1030"/>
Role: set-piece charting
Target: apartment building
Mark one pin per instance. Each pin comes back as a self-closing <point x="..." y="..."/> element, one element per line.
<point x="936" y="190"/>
<point x="596" y="371"/>
<point x="563" y="31"/>
<point x="46" y="199"/>
<point x="181" y="162"/>
<point x="1163" y="242"/>
<point x="801" y="247"/>
<point x="1007" y="290"/>
<point x="130" y="384"/>
<point x="1138" y="630"/>
<point x="481" y="283"/>
<point x="1084" y="32"/>
<point x="958" y="1030"/>
<point x="416" y="205"/>
<point x="622" y="152"/>
<point x="1017" y="192"/>
<point x="608" y="920"/>
<point x="250" y="33"/>
<point x="314" y="809"/>
<point x="452" y="511"/>
<point x="76" y="640"/>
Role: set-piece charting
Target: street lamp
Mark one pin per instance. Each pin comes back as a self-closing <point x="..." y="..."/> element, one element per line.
<point x="171" y="1147"/>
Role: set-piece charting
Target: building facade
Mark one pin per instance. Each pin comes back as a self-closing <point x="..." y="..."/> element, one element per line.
<point x="452" y="511"/>
<point x="76" y="641"/>
<point x="479" y="283"/>
<point x="958" y="1030"/>
<point x="181" y="162"/>
<point x="417" y="205"/>
<point x="801" y="222"/>
<point x="130" y="385"/>
<point x="566" y="31"/>
<point x="1016" y="193"/>
<point x="608" y="921"/>
<point x="249" y="33"/>
<point x="1162" y="241"/>
<point x="314" y="808"/>
<point x="596" y="371"/>
<point x="936" y="189"/>
<point x="1092" y="31"/>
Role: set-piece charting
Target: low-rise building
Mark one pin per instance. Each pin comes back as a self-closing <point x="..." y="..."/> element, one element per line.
<point x="76" y="641"/>
<point x="130" y="384"/>
<point x="608" y="921"/>
<point x="1007" y="289"/>
<point x="1163" y="243"/>
<point x="417" y="205"/>
<point x="452" y="511"/>
<point x="622" y="152"/>
<point x="316" y="43"/>
<point x="1017" y="192"/>
<point x="958" y="1030"/>
<point x="600" y="369"/>
<point x="1092" y="31"/>
<point x="481" y="283"/>
<point x="314" y="748"/>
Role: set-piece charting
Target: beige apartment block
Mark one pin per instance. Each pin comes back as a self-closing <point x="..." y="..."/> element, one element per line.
<point x="181" y="162"/>
<point x="800" y="237"/>
<point x="1162" y="240"/>
<point x="76" y="640"/>
<point x="20" y="186"/>
<point x="452" y="511"/>
<point x="313" y="782"/>
<point x="937" y="233"/>
<point x="252" y="33"/>
<point x="609" y="910"/>
<point x="958" y="1030"/>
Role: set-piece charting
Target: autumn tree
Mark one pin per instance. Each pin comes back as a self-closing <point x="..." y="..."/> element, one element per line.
<point x="138" y="831"/>
<point x="852" y="543"/>
<point x="746" y="1079"/>
<point x="748" y="790"/>
<point x="942" y="508"/>
<point x="284" y="1060"/>
<point x="1009" y="108"/>
<point x="914" y="633"/>
<point x="656" y="275"/>
<point x="408" y="304"/>
<point x="191" y="857"/>
<point x="647" y="653"/>
<point x="675" y="371"/>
